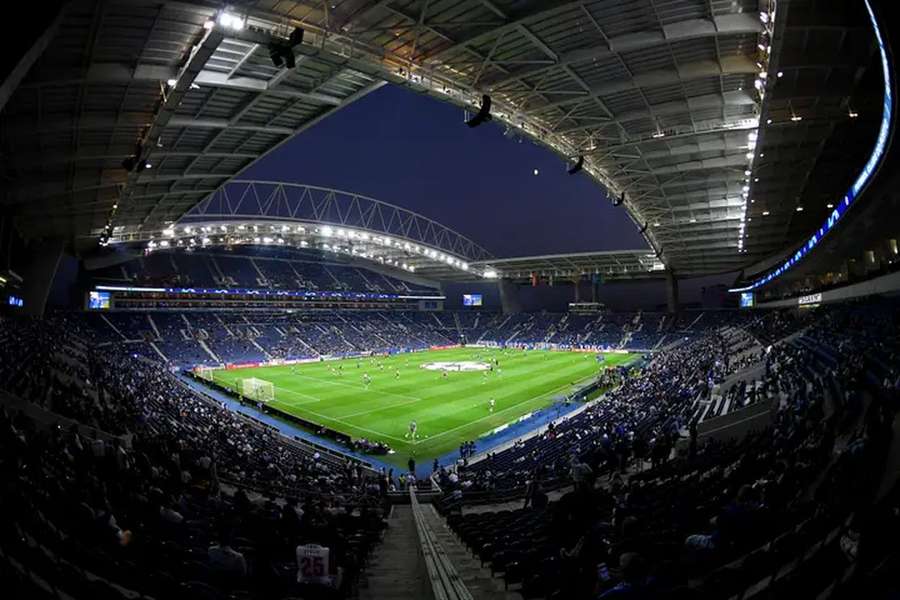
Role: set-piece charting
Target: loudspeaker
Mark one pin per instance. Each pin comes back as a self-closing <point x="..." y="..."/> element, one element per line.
<point x="484" y="113"/>
<point x="282" y="56"/>
<point x="296" y="37"/>
<point x="577" y="166"/>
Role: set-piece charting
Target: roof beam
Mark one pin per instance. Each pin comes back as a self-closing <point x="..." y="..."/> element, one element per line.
<point x="258" y="86"/>
<point x="123" y="73"/>
<point x="745" y="23"/>
<point x="734" y="65"/>
<point x="227" y="124"/>
<point x="650" y="139"/>
<point x="37" y="160"/>
<point x="667" y="109"/>
<point x="724" y="162"/>
<point x="534" y="10"/>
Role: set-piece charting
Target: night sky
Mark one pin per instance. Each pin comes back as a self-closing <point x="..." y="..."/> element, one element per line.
<point x="414" y="151"/>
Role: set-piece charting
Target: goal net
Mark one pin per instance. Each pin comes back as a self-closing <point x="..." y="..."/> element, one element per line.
<point x="205" y="373"/>
<point x="259" y="390"/>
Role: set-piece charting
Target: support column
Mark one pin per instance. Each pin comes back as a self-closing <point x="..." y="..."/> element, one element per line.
<point x="671" y="291"/>
<point x="575" y="282"/>
<point x="38" y="273"/>
<point x="509" y="296"/>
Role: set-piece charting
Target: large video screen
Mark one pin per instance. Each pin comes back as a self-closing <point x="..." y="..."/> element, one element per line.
<point x="746" y="299"/>
<point x="471" y="299"/>
<point x="98" y="301"/>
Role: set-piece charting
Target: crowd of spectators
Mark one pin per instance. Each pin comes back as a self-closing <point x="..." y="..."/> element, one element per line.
<point x="167" y="493"/>
<point x="780" y="512"/>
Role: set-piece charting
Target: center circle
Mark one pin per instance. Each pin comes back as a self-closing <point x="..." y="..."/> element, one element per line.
<point x="462" y="365"/>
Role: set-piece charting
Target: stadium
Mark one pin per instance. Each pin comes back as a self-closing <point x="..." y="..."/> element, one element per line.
<point x="450" y="299"/>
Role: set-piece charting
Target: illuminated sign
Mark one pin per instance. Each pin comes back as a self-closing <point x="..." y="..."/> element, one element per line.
<point x="264" y="292"/>
<point x="471" y="299"/>
<point x="98" y="300"/>
<point x="887" y="116"/>
<point x="810" y="299"/>
<point x="747" y="300"/>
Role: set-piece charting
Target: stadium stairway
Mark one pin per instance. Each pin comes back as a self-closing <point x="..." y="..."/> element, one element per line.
<point x="397" y="571"/>
<point x="478" y="579"/>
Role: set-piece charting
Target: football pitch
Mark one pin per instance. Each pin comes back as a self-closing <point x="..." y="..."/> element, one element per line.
<point x="448" y="409"/>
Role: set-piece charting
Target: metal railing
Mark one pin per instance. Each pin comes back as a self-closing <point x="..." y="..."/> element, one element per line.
<point x="445" y="581"/>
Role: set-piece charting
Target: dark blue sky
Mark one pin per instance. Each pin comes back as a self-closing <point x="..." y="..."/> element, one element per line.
<point x="414" y="151"/>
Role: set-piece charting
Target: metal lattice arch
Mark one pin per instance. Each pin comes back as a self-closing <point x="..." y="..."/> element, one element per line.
<point x="320" y="205"/>
<point x="334" y="221"/>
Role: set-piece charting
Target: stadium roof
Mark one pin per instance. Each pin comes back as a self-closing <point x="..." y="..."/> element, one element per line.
<point x="355" y="227"/>
<point x="662" y="99"/>
<point x="338" y="223"/>
<point x="623" y="264"/>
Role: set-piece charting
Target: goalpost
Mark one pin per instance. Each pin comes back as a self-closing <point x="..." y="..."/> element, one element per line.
<point x="204" y="373"/>
<point x="259" y="390"/>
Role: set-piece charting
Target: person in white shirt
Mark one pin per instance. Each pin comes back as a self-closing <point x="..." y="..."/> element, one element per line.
<point x="313" y="564"/>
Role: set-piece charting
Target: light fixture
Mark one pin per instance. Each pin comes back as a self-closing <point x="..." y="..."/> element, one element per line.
<point x="830" y="205"/>
<point x="765" y="213"/>
<point x="230" y="21"/>
<point x="799" y="209"/>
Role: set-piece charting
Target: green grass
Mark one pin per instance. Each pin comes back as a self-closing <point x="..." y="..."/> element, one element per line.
<point x="447" y="410"/>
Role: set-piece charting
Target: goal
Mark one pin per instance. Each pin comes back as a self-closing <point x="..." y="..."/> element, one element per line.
<point x="259" y="390"/>
<point x="205" y="373"/>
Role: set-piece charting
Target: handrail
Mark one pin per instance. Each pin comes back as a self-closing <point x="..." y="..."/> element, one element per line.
<point x="445" y="581"/>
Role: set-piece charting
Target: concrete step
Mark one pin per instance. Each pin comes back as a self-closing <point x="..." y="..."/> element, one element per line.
<point x="396" y="571"/>
<point x="479" y="581"/>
